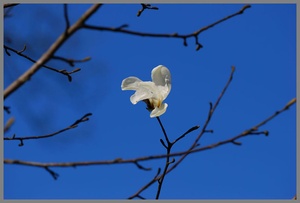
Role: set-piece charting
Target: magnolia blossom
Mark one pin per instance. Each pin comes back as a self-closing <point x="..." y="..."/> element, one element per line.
<point x="153" y="93"/>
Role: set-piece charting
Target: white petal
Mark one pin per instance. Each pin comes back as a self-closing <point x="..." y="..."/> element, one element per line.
<point x="161" y="75"/>
<point x="159" y="111"/>
<point x="130" y="83"/>
<point x="145" y="90"/>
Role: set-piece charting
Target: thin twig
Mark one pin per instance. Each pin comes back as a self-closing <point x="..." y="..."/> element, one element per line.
<point x="71" y="62"/>
<point x="66" y="19"/>
<point x="50" y="52"/>
<point x="167" y="163"/>
<point x="20" y="53"/>
<point x="194" y="34"/>
<point x="168" y="147"/>
<point x="145" y="6"/>
<point x="74" y="125"/>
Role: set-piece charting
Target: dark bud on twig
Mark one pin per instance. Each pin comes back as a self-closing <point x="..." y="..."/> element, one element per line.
<point x="199" y="46"/>
<point x="21" y="143"/>
<point x="184" y="42"/>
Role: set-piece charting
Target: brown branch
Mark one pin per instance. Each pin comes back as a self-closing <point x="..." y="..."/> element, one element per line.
<point x="20" y="53"/>
<point x="74" y="125"/>
<point x="144" y="7"/>
<point x="50" y="52"/>
<point x="174" y="35"/>
<point x="71" y="62"/>
<point x="8" y="124"/>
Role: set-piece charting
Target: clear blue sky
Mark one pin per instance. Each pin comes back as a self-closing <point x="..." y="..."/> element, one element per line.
<point x="261" y="43"/>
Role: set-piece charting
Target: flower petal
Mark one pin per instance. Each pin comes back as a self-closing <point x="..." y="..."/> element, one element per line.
<point x="159" y="111"/>
<point x="161" y="76"/>
<point x="144" y="90"/>
<point x="130" y="83"/>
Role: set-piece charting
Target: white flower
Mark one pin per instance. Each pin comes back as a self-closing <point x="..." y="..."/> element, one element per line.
<point x="152" y="93"/>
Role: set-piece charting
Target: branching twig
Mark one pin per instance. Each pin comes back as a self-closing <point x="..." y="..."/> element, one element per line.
<point x="71" y="62"/>
<point x="20" y="53"/>
<point x="50" y="52"/>
<point x="146" y="6"/>
<point x="74" y="125"/>
<point x="174" y="35"/>
<point x="168" y="147"/>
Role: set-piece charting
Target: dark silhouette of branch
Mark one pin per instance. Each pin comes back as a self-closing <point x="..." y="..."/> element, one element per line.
<point x="9" y="5"/>
<point x="6" y="108"/>
<point x="74" y="125"/>
<point x="71" y="62"/>
<point x="50" y="52"/>
<point x="194" y="34"/>
<point x="66" y="18"/>
<point x="20" y="53"/>
<point x="144" y="7"/>
<point x="168" y="147"/>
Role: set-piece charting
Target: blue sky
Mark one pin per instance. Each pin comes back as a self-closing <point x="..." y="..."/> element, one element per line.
<point x="261" y="43"/>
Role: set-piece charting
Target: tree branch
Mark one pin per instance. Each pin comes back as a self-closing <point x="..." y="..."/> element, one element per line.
<point x="71" y="62"/>
<point x="195" y="34"/>
<point x="50" y="52"/>
<point x="20" y="53"/>
<point x="74" y="125"/>
<point x="144" y="7"/>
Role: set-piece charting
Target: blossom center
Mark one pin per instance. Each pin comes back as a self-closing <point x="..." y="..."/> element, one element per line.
<point x="153" y="103"/>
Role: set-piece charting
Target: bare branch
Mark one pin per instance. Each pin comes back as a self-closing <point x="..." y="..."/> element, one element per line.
<point x="50" y="52"/>
<point x="146" y="6"/>
<point x="66" y="18"/>
<point x="74" y="125"/>
<point x="71" y="62"/>
<point x="52" y="173"/>
<point x="187" y="132"/>
<point x="194" y="34"/>
<point x="20" y="53"/>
